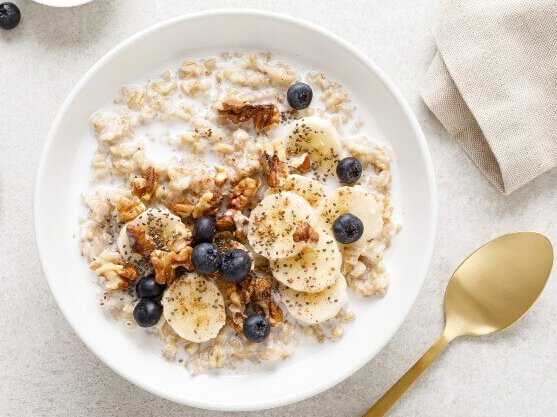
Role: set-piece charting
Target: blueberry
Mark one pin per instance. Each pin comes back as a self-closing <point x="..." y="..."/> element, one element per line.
<point x="9" y="15"/>
<point x="147" y="312"/>
<point x="256" y="328"/>
<point x="235" y="265"/>
<point x="348" y="228"/>
<point x="349" y="170"/>
<point x="299" y="96"/>
<point x="147" y="287"/>
<point x="204" y="229"/>
<point x="205" y="258"/>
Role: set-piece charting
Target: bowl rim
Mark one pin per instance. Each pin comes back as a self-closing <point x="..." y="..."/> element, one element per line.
<point x="41" y="240"/>
<point x="56" y="3"/>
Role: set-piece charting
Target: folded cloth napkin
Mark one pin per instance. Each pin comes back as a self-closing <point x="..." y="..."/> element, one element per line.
<point x="493" y="85"/>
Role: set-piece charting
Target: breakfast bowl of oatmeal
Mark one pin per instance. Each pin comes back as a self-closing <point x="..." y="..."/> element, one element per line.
<point x="235" y="222"/>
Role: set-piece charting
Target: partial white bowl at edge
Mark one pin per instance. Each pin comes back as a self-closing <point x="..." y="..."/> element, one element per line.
<point x="62" y="3"/>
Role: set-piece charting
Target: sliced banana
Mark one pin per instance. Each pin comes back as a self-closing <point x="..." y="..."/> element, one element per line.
<point x="165" y="229"/>
<point x="273" y="222"/>
<point x="313" y="308"/>
<point x="357" y="201"/>
<point x="312" y="270"/>
<point x="319" y="138"/>
<point x="194" y="308"/>
<point x="309" y="189"/>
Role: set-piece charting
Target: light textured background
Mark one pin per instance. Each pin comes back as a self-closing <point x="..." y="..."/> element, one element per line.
<point x="45" y="370"/>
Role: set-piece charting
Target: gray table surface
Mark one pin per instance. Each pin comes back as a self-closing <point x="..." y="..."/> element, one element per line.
<point x="45" y="370"/>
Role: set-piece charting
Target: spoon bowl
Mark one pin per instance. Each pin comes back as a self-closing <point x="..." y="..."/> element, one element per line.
<point x="491" y="290"/>
<point x="497" y="284"/>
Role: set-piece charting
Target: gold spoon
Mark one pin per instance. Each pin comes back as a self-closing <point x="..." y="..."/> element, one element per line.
<point x="492" y="289"/>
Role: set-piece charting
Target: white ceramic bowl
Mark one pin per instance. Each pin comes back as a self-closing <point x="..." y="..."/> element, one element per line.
<point x="64" y="171"/>
<point x="62" y="3"/>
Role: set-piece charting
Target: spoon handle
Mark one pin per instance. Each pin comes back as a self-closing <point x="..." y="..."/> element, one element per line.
<point x="384" y="403"/>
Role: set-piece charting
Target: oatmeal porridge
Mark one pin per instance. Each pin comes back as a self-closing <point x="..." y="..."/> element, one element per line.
<point x="249" y="223"/>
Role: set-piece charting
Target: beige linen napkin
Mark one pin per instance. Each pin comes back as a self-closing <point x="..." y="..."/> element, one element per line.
<point x="493" y="85"/>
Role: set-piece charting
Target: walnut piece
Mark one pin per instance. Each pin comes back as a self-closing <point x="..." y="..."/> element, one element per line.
<point x="140" y="241"/>
<point x="277" y="171"/>
<point x="129" y="209"/>
<point x="182" y="210"/>
<point x="208" y="205"/>
<point x="242" y="192"/>
<point x="253" y="293"/>
<point x="123" y="279"/>
<point x="302" y="163"/>
<point x="263" y="116"/>
<point x="275" y="315"/>
<point x="165" y="264"/>
<point x="145" y="186"/>
<point x="225" y="222"/>
<point x="129" y="273"/>
<point x="305" y="233"/>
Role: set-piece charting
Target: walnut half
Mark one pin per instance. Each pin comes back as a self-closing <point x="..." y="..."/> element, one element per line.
<point x="225" y="222"/>
<point x="182" y="210"/>
<point x="277" y="171"/>
<point x="129" y="274"/>
<point x="242" y="192"/>
<point x="305" y="233"/>
<point x="129" y="209"/>
<point x="207" y="205"/>
<point x="145" y="186"/>
<point x="140" y="241"/>
<point x="263" y="116"/>
<point x="165" y="264"/>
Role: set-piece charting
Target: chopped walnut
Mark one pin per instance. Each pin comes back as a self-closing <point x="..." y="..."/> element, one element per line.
<point x="302" y="163"/>
<point x="305" y="233"/>
<point x="129" y="209"/>
<point x="225" y="222"/>
<point x="140" y="241"/>
<point x="275" y="314"/>
<point x="109" y="265"/>
<point x="277" y="171"/>
<point x="182" y="210"/>
<point x="264" y="116"/>
<point x="145" y="186"/>
<point x="129" y="273"/>
<point x="242" y="192"/>
<point x="208" y="205"/>
<point x="253" y="293"/>
<point x="165" y="264"/>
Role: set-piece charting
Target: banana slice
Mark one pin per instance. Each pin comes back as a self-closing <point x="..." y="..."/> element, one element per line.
<point x="194" y="308"/>
<point x="313" y="269"/>
<point x="317" y="307"/>
<point x="319" y="138"/>
<point x="357" y="201"/>
<point x="309" y="189"/>
<point x="164" y="228"/>
<point x="273" y="222"/>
